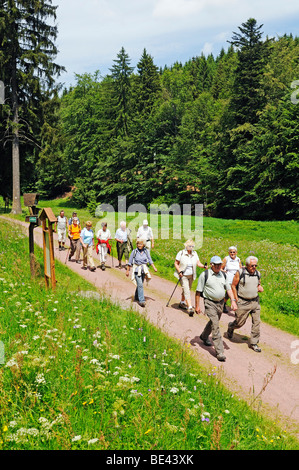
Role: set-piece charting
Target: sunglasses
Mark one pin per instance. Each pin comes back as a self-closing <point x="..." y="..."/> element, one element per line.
<point x="253" y="265"/>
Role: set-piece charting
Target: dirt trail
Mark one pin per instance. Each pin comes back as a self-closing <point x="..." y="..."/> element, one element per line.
<point x="244" y="371"/>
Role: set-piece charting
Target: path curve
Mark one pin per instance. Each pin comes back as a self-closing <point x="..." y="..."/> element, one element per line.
<point x="244" y="371"/>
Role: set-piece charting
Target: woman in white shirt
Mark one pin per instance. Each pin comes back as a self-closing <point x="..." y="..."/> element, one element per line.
<point x="230" y="265"/>
<point x="185" y="264"/>
<point x="103" y="245"/>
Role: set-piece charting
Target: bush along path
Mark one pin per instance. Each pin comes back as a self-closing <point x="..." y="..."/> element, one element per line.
<point x="268" y="380"/>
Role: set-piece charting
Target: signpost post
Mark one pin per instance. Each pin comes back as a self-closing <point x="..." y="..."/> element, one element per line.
<point x="48" y="218"/>
<point x="31" y="200"/>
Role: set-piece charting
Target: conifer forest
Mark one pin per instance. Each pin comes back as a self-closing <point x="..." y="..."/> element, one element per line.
<point x="219" y="131"/>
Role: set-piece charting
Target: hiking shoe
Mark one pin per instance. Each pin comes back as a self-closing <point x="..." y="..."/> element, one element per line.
<point x="93" y="268"/>
<point x="103" y="267"/>
<point x="142" y="304"/>
<point x="230" y="331"/>
<point x="70" y="258"/>
<point x="183" y="305"/>
<point x="221" y="357"/>
<point x="206" y="342"/>
<point x="255" y="347"/>
<point x="190" y="311"/>
<point x="84" y="267"/>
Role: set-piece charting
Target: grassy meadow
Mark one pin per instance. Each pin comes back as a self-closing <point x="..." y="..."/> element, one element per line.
<point x="81" y="373"/>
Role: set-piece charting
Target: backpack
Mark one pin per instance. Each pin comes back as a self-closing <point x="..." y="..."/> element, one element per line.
<point x="134" y="254"/>
<point x="206" y="278"/>
<point x="244" y="273"/>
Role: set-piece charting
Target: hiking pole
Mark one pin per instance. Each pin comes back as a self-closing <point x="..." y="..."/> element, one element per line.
<point x="67" y="253"/>
<point x="112" y="256"/>
<point x="173" y="292"/>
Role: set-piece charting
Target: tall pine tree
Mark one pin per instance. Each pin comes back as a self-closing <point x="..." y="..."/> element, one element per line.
<point x="27" y="66"/>
<point x="121" y="72"/>
<point x="248" y="97"/>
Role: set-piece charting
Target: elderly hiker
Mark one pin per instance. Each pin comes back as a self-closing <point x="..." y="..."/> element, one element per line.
<point x="145" y="232"/>
<point x="246" y="286"/>
<point x="212" y="286"/>
<point x="74" y="236"/>
<point x="185" y="264"/>
<point x="122" y="243"/>
<point x="230" y="265"/>
<point x="74" y="214"/>
<point x="61" y="226"/>
<point x="139" y="259"/>
<point x="87" y="242"/>
<point x="103" y="246"/>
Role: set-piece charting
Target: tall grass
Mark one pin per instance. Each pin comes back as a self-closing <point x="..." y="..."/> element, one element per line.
<point x="81" y="373"/>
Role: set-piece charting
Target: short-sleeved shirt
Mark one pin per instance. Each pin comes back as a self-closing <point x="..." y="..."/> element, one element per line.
<point x="140" y="257"/>
<point x="121" y="235"/>
<point x="87" y="236"/>
<point x="190" y="261"/>
<point x="61" y="223"/>
<point x="145" y="232"/>
<point x="215" y="287"/>
<point x="75" y="231"/>
<point x="104" y="234"/>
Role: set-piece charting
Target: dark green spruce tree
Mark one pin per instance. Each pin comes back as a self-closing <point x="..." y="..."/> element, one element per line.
<point x="121" y="72"/>
<point x="28" y="51"/>
<point x="248" y="97"/>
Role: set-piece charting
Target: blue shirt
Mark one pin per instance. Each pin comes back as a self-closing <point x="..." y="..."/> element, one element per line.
<point x="140" y="257"/>
<point x="87" y="236"/>
<point x="121" y="235"/>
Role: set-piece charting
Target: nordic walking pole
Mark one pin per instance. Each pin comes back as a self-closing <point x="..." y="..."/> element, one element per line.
<point x="112" y="256"/>
<point x="67" y="253"/>
<point x="173" y="292"/>
<point x="68" y="250"/>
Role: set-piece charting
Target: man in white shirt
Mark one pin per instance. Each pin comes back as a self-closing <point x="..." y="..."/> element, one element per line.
<point x="145" y="232"/>
<point x="61" y="226"/>
<point x="122" y="243"/>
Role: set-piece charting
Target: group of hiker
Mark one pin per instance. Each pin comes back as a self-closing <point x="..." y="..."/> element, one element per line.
<point x="225" y="279"/>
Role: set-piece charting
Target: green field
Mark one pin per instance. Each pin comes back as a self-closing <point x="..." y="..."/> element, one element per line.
<point x="81" y="373"/>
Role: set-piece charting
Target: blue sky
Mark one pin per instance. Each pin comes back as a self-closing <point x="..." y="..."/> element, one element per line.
<point x="92" y="32"/>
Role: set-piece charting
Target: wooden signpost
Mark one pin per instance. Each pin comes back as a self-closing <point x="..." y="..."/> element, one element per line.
<point x="30" y="201"/>
<point x="48" y="218"/>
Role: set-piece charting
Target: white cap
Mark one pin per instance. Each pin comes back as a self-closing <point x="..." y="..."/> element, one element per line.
<point x="145" y="222"/>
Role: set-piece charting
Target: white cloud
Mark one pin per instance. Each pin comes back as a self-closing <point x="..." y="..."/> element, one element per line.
<point x="91" y="32"/>
<point x="177" y="8"/>
<point x="207" y="48"/>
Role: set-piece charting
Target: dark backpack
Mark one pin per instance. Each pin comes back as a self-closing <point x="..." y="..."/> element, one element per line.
<point x="245" y="273"/>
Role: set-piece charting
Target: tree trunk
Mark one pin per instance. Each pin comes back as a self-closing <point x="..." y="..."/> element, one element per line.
<point x="16" y="192"/>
